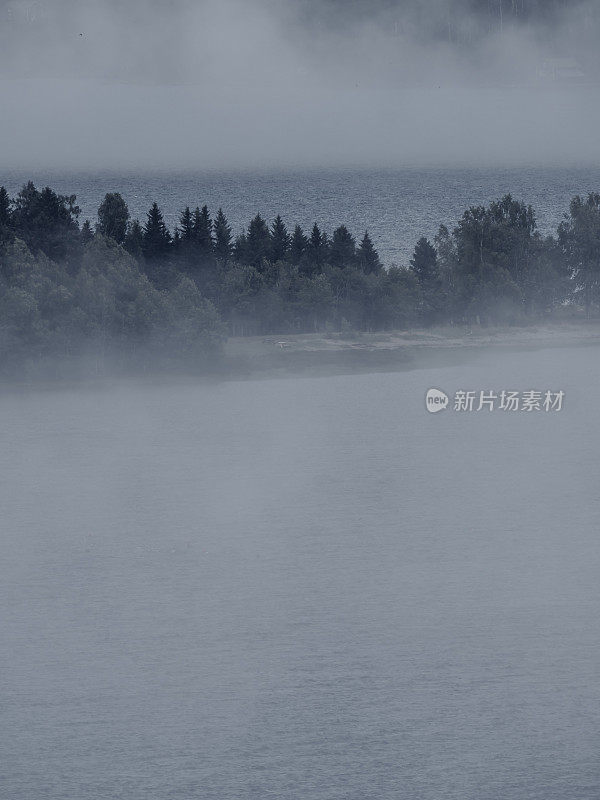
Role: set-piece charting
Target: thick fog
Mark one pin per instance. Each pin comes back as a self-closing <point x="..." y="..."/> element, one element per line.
<point x="259" y="83"/>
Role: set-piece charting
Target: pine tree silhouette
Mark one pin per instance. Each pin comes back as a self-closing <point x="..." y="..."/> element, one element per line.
<point x="368" y="257"/>
<point x="222" y="232"/>
<point x="157" y="238"/>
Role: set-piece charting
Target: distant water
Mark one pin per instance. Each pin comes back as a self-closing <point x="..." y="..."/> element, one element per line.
<point x="396" y="206"/>
<point x="302" y="589"/>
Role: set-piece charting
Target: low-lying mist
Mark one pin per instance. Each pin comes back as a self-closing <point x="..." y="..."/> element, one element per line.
<point x="262" y="84"/>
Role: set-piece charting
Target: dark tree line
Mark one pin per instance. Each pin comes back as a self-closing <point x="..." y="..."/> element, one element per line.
<point x="122" y="286"/>
<point x="268" y="278"/>
<point x="76" y="294"/>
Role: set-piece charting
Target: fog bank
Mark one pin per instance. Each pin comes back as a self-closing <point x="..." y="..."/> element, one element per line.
<point x="263" y="84"/>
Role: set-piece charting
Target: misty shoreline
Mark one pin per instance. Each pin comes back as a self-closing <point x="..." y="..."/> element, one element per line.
<point x="317" y="354"/>
<point x="322" y="355"/>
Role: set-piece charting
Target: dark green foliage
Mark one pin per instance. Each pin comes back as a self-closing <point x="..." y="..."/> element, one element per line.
<point x="424" y="262"/>
<point x="342" y="252"/>
<point x="47" y="222"/>
<point x="63" y="289"/>
<point x="107" y="314"/>
<point x="298" y="246"/>
<point x="494" y="252"/>
<point x="202" y="233"/>
<point x="183" y="247"/>
<point x="317" y="247"/>
<point x="255" y="247"/>
<point x="113" y="217"/>
<point x="157" y="238"/>
<point x="134" y="240"/>
<point x="222" y="233"/>
<point x="368" y="257"/>
<point x="240" y="248"/>
<point x="424" y="266"/>
<point x="280" y="240"/>
<point x="186" y="225"/>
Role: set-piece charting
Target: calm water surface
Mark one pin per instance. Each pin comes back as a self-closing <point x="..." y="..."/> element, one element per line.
<point x="302" y="588"/>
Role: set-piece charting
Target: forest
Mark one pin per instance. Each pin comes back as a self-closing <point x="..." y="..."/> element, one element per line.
<point x="139" y="294"/>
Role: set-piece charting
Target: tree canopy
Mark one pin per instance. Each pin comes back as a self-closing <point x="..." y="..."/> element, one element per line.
<point x="127" y="286"/>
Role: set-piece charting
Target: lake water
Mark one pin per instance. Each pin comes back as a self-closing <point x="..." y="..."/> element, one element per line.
<point x="303" y="588"/>
<point x="397" y="206"/>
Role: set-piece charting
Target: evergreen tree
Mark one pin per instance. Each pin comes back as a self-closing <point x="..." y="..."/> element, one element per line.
<point x="134" y="241"/>
<point x="157" y="238"/>
<point x="258" y="242"/>
<point x="5" y="216"/>
<point x="342" y="252"/>
<point x="113" y="216"/>
<point x="240" y="248"/>
<point x="280" y="240"/>
<point x="325" y="246"/>
<point x="183" y="240"/>
<point x="186" y="225"/>
<point x="368" y="257"/>
<point x="298" y="246"/>
<point x="176" y="243"/>
<point x="317" y="247"/>
<point x="222" y="232"/>
<point x="424" y="262"/>
<point x="425" y="268"/>
<point x="202" y="232"/>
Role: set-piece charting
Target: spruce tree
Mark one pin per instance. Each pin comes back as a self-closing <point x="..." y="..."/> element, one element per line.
<point x="424" y="262"/>
<point x="176" y="243"/>
<point x="343" y="248"/>
<point x="134" y="240"/>
<point x="368" y="257"/>
<point x="258" y="242"/>
<point x="202" y="232"/>
<point x="317" y="246"/>
<point x="157" y="238"/>
<point x="240" y="249"/>
<point x="222" y="232"/>
<point x="186" y="225"/>
<point x="280" y="240"/>
<point x="298" y="245"/>
<point x="183" y="240"/>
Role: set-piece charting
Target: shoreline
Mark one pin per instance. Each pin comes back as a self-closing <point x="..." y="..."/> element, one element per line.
<point x="317" y="354"/>
<point x="322" y="355"/>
